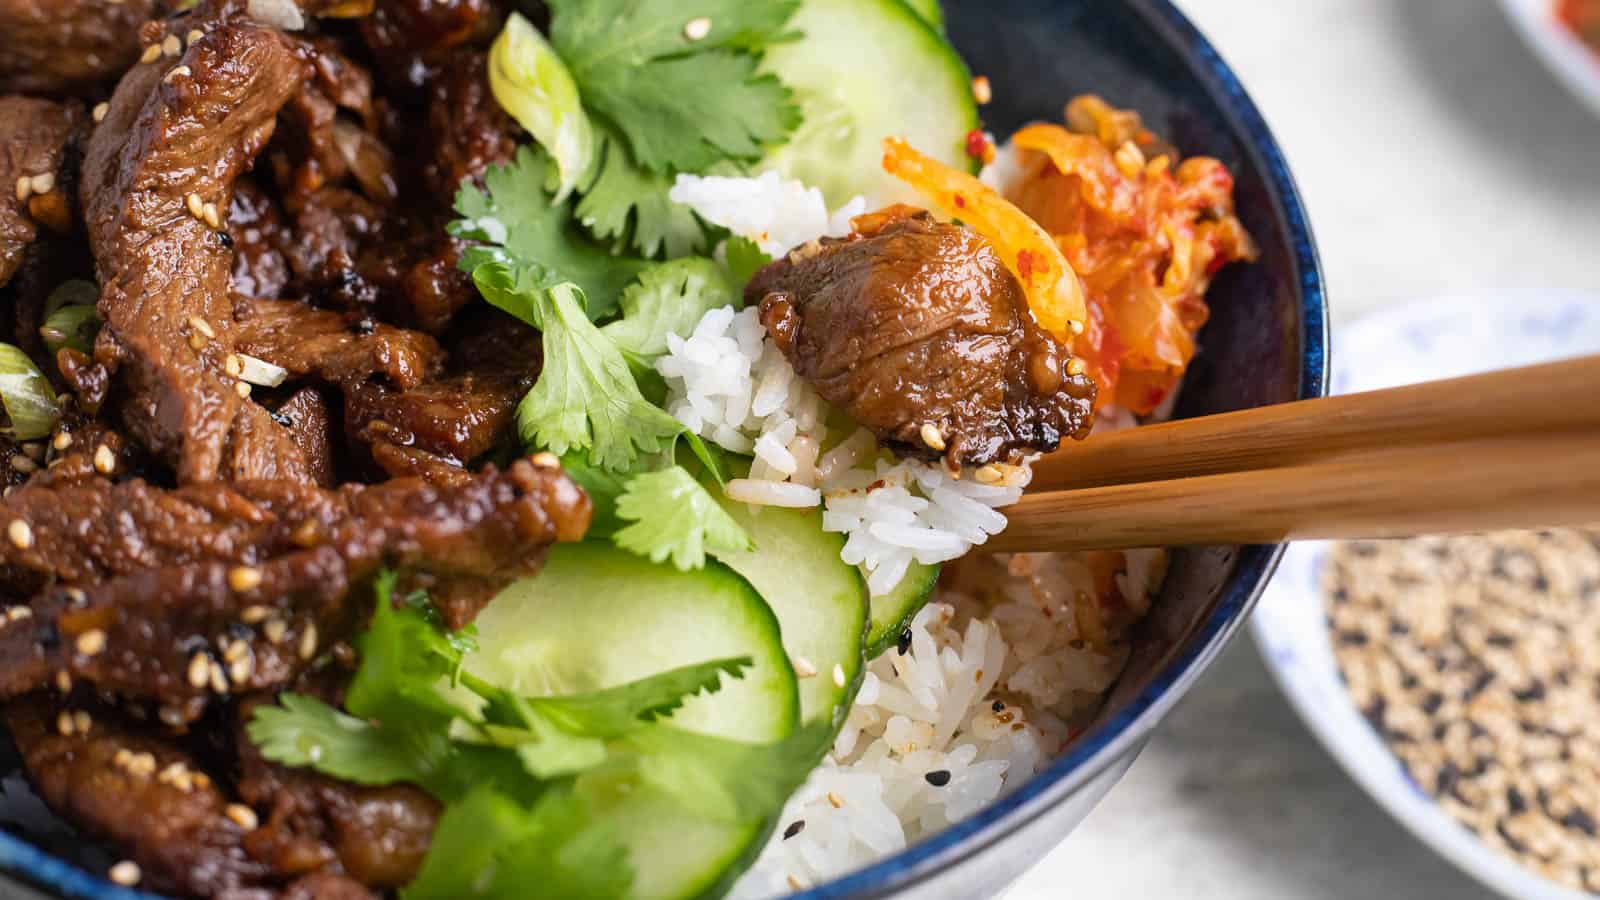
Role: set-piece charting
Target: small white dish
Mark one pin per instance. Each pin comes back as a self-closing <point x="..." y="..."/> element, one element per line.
<point x="1575" y="64"/>
<point x="1441" y="338"/>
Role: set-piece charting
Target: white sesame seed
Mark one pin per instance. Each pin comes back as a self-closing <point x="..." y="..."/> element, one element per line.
<point x="795" y="883"/>
<point x="24" y="189"/>
<point x="1075" y="326"/>
<point x="172" y="716"/>
<point x="77" y="596"/>
<point x="63" y="681"/>
<point x="171" y="46"/>
<point x="61" y="441"/>
<point x="212" y="217"/>
<point x="240" y="670"/>
<point x="125" y="873"/>
<point x="219" y="679"/>
<point x="1076" y="367"/>
<point x="255" y="615"/>
<point x="91" y="642"/>
<point x="697" y="29"/>
<point x="64" y="723"/>
<point x="150" y="54"/>
<point x="195" y="34"/>
<point x="177" y="72"/>
<point x="235" y="651"/>
<point x="18" y="613"/>
<point x="274" y="630"/>
<point x="231" y="365"/>
<point x="838" y="675"/>
<point x="242" y="816"/>
<point x="44" y="183"/>
<point x="987" y="475"/>
<point x="197" y="208"/>
<point x="20" y="534"/>
<point x="544" y="459"/>
<point x="803" y="667"/>
<point x="932" y="436"/>
<point x="242" y="388"/>
<point x="836" y="801"/>
<point x="244" y="578"/>
<point x="308" y="641"/>
<point x="23" y="464"/>
<point x="314" y="752"/>
<point x="82" y="721"/>
<point x="199" y="670"/>
<point x="104" y="460"/>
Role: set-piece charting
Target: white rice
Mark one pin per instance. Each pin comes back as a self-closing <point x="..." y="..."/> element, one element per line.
<point x="1011" y="656"/>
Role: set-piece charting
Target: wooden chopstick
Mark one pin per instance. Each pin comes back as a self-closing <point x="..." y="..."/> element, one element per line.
<point x="1551" y="397"/>
<point x="1533" y="480"/>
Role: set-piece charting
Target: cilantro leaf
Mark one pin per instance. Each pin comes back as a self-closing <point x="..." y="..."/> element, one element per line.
<point x="669" y="297"/>
<point x="629" y="207"/>
<point x="744" y="257"/>
<point x="720" y="778"/>
<point x="613" y="712"/>
<point x="586" y="398"/>
<point x="534" y="237"/>
<point x="489" y="845"/>
<point x="304" y="731"/>
<point x="680" y="102"/>
<point x="673" y="515"/>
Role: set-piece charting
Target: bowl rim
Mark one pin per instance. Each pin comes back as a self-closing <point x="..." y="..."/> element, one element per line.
<point x="1572" y="62"/>
<point x="1126" y="732"/>
<point x="1113" y="739"/>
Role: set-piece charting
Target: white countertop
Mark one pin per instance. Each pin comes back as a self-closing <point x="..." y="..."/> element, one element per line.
<point x="1436" y="156"/>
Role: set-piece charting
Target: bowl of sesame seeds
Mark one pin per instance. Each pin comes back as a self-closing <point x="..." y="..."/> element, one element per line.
<point x="1454" y="678"/>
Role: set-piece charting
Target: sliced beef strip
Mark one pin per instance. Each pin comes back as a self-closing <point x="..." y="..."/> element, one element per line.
<point x="177" y="134"/>
<point x="176" y="828"/>
<point x="68" y="47"/>
<point x="261" y="242"/>
<point x="911" y="322"/>
<point x="470" y="130"/>
<point x="154" y="577"/>
<point x="337" y="348"/>
<point x="412" y="39"/>
<point x="310" y="422"/>
<point x="34" y="138"/>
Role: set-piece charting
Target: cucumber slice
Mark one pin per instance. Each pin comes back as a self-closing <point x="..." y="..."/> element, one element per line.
<point x="863" y="70"/>
<point x="596" y="617"/>
<point x="893" y="611"/>
<point x="930" y="11"/>
<point x="820" y="601"/>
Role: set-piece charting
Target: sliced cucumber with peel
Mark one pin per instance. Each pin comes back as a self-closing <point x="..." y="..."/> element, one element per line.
<point x="863" y="70"/>
<point x="892" y="612"/>
<point x="820" y="601"/>
<point x="597" y="617"/>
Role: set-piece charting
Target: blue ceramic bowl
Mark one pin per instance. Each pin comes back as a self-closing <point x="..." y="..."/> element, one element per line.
<point x="1266" y="344"/>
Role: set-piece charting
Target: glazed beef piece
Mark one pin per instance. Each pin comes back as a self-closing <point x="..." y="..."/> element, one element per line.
<point x="68" y="46"/>
<point x="470" y="130"/>
<point x="412" y="39"/>
<point x="333" y="347"/>
<point x="146" y="592"/>
<point x="910" y="322"/>
<point x="34" y="139"/>
<point x="308" y="416"/>
<point x="261" y="242"/>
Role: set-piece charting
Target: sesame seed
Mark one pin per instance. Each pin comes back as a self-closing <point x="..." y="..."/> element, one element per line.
<point x="242" y="388"/>
<point x="195" y="34"/>
<point x="235" y="651"/>
<point x="171" y="716"/>
<point x="18" y="613"/>
<point x="171" y="46"/>
<point x="838" y="675"/>
<point x="932" y="436"/>
<point x="308" y="641"/>
<point x="795" y="827"/>
<point x="219" y="679"/>
<point x="199" y="670"/>
<point x="240" y="670"/>
<point x="104" y="460"/>
<point x="987" y="474"/>
<point x="63" y="681"/>
<point x="82" y="721"/>
<point x="197" y="208"/>
<point x="697" y="29"/>
<point x="211" y="216"/>
<point x="938" y="777"/>
<point x="1075" y="326"/>
<point x="201" y="780"/>
<point x="44" y="183"/>
<point x="196" y="322"/>
<point x="544" y="459"/>
<point x="20" y="534"/>
<point x="125" y="873"/>
<point x="77" y="596"/>
<point x="314" y="753"/>
<point x="836" y="801"/>
<point x="232" y="366"/>
<point x="121" y="757"/>
<point x="255" y="615"/>
<point x="177" y="72"/>
<point x="24" y="189"/>
<point x="64" y="723"/>
<point x="23" y="464"/>
<point x="803" y="667"/>
<point x="274" y="630"/>
<point x="982" y="91"/>
<point x="795" y="883"/>
<point x="244" y="578"/>
<point x="91" y="642"/>
<point x="1076" y="367"/>
<point x="150" y="54"/>
<point x="242" y="816"/>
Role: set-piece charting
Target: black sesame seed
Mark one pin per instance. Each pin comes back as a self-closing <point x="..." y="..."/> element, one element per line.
<point x="795" y="827"/>
<point x="1514" y="801"/>
<point x="225" y="239"/>
<point x="903" y="646"/>
<point x="998" y="706"/>
<point x="365" y="326"/>
<point x="938" y="777"/>
<point x="282" y="419"/>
